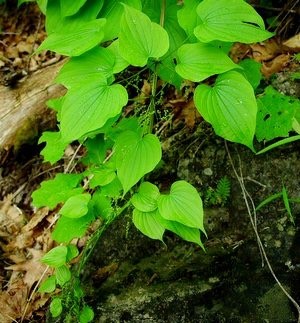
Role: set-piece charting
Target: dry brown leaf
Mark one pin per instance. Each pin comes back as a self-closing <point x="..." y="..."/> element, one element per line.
<point x="11" y="217"/>
<point x="186" y="111"/>
<point x="266" y="50"/>
<point x="32" y="267"/>
<point x="13" y="302"/>
<point x="276" y="65"/>
<point x="293" y="43"/>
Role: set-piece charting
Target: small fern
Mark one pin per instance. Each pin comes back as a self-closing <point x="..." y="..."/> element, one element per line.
<point x="219" y="195"/>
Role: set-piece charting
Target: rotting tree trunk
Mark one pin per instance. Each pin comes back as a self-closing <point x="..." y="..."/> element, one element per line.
<point x="23" y="111"/>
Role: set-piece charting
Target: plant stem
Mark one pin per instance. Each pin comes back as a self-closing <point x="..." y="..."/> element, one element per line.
<point x="155" y="77"/>
<point x="88" y="250"/>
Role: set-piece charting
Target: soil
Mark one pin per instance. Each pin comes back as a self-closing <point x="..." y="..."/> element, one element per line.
<point x="130" y="277"/>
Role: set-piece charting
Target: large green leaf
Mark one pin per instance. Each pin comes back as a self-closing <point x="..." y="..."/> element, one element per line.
<point x="166" y="67"/>
<point x="76" y="206"/>
<point x="76" y="38"/>
<point x="56" y="257"/>
<point x="96" y="63"/>
<point x="57" y="190"/>
<point x="55" y="147"/>
<point x="140" y="39"/>
<point x="275" y="114"/>
<point x="185" y="232"/>
<point x="148" y="223"/>
<point x="120" y="62"/>
<point x="135" y="157"/>
<point x="87" y="108"/>
<point x="182" y="205"/>
<point x="70" y="7"/>
<point x="145" y="200"/>
<point x="112" y="11"/>
<point x="233" y="20"/>
<point x="67" y="229"/>
<point x="196" y="62"/>
<point x="188" y="18"/>
<point x="230" y="106"/>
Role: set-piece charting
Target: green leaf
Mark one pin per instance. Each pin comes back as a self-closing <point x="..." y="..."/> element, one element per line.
<point x="275" y="114"/>
<point x="70" y="7"/>
<point x="148" y="223"/>
<point x="251" y="70"/>
<point x="287" y="204"/>
<point x="120" y="62"/>
<point x="86" y="315"/>
<point x="56" y="190"/>
<point x="101" y="205"/>
<point x="135" y="157"/>
<point x="230" y="21"/>
<point x="96" y="64"/>
<point x="140" y="39"/>
<point x="112" y="189"/>
<point x="182" y="205"/>
<point x="196" y="62"/>
<point x="279" y="143"/>
<point x="96" y="150"/>
<point x="67" y="229"/>
<point x="48" y="285"/>
<point x="76" y="206"/>
<point x="76" y="38"/>
<point x="56" y="257"/>
<point x="54" y="148"/>
<point x="166" y="67"/>
<point x="101" y="176"/>
<point x="63" y="275"/>
<point x="112" y="11"/>
<point x="188" y="18"/>
<point x="89" y="107"/>
<point x="55" y="307"/>
<point x="145" y="200"/>
<point x="72" y="252"/>
<point x="185" y="232"/>
<point x="230" y="106"/>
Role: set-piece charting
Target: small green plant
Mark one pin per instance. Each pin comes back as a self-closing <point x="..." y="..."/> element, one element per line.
<point x="219" y="195"/>
<point x="103" y="38"/>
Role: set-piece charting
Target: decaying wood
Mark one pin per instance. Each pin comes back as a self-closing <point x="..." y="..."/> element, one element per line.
<point x="23" y="111"/>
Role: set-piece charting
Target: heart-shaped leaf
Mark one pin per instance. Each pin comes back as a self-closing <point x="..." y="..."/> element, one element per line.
<point x="145" y="200"/>
<point x="196" y="62"/>
<point x="230" y="21"/>
<point x="76" y="39"/>
<point x="135" y="157"/>
<point x="140" y="39"/>
<point x="230" y="106"/>
<point x="87" y="108"/>
<point x="95" y="64"/>
<point x="56" y="257"/>
<point x="183" y="231"/>
<point x="182" y="205"/>
<point x="70" y="7"/>
<point x="76" y="206"/>
<point x="148" y="223"/>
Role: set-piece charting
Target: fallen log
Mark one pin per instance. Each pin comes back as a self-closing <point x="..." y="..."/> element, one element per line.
<point x="23" y="111"/>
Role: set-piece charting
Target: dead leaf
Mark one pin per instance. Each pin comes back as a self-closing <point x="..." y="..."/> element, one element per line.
<point x="32" y="267"/>
<point x="276" y="65"/>
<point x="293" y="43"/>
<point x="266" y="50"/>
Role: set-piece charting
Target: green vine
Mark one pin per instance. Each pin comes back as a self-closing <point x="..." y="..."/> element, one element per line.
<point x="176" y="42"/>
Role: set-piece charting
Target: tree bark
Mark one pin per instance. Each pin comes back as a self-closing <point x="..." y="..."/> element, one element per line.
<point x="23" y="111"/>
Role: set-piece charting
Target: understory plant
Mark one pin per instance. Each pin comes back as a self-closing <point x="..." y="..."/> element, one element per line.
<point x="173" y="41"/>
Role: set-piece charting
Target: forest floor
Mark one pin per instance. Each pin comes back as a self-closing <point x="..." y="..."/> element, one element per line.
<point x="25" y="232"/>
